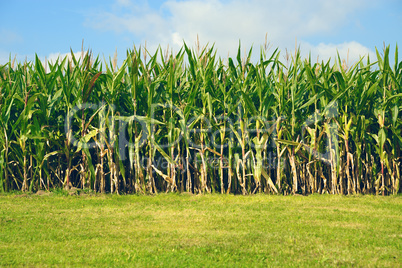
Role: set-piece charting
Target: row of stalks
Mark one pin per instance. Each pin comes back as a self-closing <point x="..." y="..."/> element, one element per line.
<point x="193" y="122"/>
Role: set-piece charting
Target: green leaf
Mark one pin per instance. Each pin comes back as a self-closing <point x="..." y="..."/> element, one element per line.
<point x="163" y="153"/>
<point x="248" y="103"/>
<point x="90" y="135"/>
<point x="381" y="138"/>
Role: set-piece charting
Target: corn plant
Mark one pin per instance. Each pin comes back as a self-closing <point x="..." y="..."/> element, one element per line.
<point x="194" y="122"/>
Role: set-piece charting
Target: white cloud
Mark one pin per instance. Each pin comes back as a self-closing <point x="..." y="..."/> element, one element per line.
<point x="351" y="52"/>
<point x="4" y="57"/>
<point x="224" y="23"/>
<point x="52" y="57"/>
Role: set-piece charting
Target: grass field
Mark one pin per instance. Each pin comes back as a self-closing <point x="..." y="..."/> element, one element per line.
<point x="200" y="230"/>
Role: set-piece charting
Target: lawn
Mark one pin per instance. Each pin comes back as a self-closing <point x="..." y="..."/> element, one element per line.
<point x="200" y="230"/>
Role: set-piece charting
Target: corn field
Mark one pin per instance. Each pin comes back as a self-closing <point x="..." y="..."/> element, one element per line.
<point x="193" y="122"/>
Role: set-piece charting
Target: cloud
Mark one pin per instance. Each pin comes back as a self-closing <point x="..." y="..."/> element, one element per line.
<point x="53" y="57"/>
<point x="351" y="52"/>
<point x="224" y="23"/>
<point x="4" y="57"/>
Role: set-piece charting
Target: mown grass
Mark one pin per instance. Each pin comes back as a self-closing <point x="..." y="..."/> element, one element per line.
<point x="200" y="230"/>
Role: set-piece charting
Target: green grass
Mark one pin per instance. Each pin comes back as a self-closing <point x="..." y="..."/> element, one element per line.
<point x="200" y="230"/>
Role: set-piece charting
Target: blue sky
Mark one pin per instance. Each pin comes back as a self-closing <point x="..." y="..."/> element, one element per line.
<point x="50" y="28"/>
